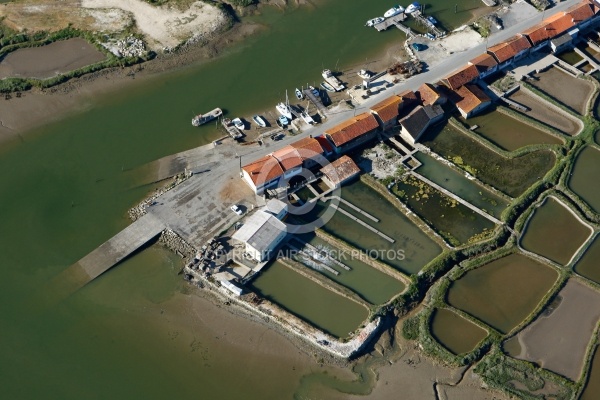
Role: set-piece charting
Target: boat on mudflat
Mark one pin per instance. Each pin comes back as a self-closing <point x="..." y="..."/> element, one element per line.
<point x="201" y="119"/>
<point x="327" y="87"/>
<point x="314" y="91"/>
<point x="283" y="121"/>
<point x="299" y="94"/>
<point x="393" y="11"/>
<point x="284" y="110"/>
<point x="374" y="21"/>
<point x="258" y="120"/>
<point x="239" y="124"/>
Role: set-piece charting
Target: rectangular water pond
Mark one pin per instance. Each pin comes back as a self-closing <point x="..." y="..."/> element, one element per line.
<point x="584" y="178"/>
<point x="412" y="248"/>
<point x="592" y="387"/>
<point x="454" y="332"/>
<point x="457" y="223"/>
<point x="509" y="133"/>
<point x="460" y="185"/>
<point x="554" y="232"/>
<point x="588" y="264"/>
<point x="369" y="283"/>
<point x="309" y="301"/>
<point x="509" y="175"/>
<point x="503" y="292"/>
<point x="554" y="81"/>
<point x="570" y="57"/>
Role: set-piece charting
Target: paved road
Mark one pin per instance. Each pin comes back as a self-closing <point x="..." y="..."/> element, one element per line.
<point x="194" y="209"/>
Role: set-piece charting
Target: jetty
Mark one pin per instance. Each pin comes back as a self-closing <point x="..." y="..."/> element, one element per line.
<point x="231" y="129"/>
<point x="397" y="22"/>
<point x="316" y="101"/>
<point x="422" y="20"/>
<point x="120" y="246"/>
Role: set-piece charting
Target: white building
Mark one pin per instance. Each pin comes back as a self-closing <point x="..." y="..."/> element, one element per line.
<point x="261" y="233"/>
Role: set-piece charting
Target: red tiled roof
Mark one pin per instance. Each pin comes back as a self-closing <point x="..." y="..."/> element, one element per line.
<point x="288" y="157"/>
<point x="341" y="169"/>
<point x="308" y="147"/>
<point x="513" y="46"/>
<point x="409" y="96"/>
<point x="539" y="33"/>
<point x="581" y="12"/>
<point x="263" y="170"/>
<point x="464" y="75"/>
<point x="428" y="94"/>
<point x="559" y="23"/>
<point x="352" y="128"/>
<point x="484" y="62"/>
<point x="388" y="108"/>
<point x="472" y="96"/>
<point x="324" y="143"/>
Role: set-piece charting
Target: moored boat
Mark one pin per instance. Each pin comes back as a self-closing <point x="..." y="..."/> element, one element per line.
<point x="284" y="108"/>
<point x="283" y="121"/>
<point x="201" y="119"/>
<point x="327" y="87"/>
<point x="299" y="94"/>
<point x="239" y="124"/>
<point x="374" y="21"/>
<point x="314" y="91"/>
<point x="412" y="8"/>
<point x="258" y="120"/>
<point x="393" y="11"/>
<point x="432" y="20"/>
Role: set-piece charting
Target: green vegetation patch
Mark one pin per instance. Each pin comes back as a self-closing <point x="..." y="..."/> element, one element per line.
<point x="455" y="222"/>
<point x="510" y="175"/>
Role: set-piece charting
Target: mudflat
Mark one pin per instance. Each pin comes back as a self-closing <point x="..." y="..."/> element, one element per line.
<point x="554" y="82"/>
<point x="558" y="341"/>
<point x="50" y="60"/>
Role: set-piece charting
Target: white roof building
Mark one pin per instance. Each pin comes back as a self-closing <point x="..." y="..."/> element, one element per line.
<point x="262" y="232"/>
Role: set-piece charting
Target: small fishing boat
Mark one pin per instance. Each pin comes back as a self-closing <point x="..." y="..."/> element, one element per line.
<point x="258" y="120"/>
<point x="314" y="91"/>
<point x="393" y="11"/>
<point x="374" y="21"/>
<point x="327" y="87"/>
<point x="204" y="118"/>
<point x="412" y="8"/>
<point x="307" y="118"/>
<point x="432" y="20"/>
<point x="299" y="94"/>
<point x="283" y="121"/>
<point x="238" y="123"/>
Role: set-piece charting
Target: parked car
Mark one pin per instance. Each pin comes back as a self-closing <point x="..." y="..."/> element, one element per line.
<point x="419" y="46"/>
<point x="236" y="209"/>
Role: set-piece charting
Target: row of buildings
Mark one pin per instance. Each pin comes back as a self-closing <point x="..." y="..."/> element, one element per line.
<point x="415" y="111"/>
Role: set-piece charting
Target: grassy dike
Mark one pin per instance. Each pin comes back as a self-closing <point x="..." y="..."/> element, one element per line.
<point x="429" y="289"/>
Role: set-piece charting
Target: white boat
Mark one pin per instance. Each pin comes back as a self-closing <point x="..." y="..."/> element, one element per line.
<point x="393" y="11"/>
<point x="284" y="108"/>
<point x="412" y="8"/>
<point x="332" y="80"/>
<point x="299" y="94"/>
<point x="327" y="87"/>
<point x="364" y="74"/>
<point x="283" y="121"/>
<point x="258" y="120"/>
<point x="307" y="118"/>
<point x="239" y="124"/>
<point x="375" y="21"/>
<point x="201" y="119"/>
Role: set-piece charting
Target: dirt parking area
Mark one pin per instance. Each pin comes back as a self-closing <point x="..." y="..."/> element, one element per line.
<point x="549" y="115"/>
<point x="558" y="339"/>
<point x="554" y="81"/>
<point x="47" y="61"/>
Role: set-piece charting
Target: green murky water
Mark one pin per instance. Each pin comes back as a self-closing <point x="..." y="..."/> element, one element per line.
<point x="371" y="284"/>
<point x="454" y="332"/>
<point x="554" y="232"/>
<point x="509" y="133"/>
<point x="66" y="191"/>
<point x="460" y="185"/>
<point x="570" y="57"/>
<point x="584" y="175"/>
<point x="588" y="264"/>
<point x="503" y="292"/>
<point x="309" y="300"/>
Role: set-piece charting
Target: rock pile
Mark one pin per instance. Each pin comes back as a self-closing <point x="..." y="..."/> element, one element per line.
<point x="141" y="209"/>
<point x="175" y="243"/>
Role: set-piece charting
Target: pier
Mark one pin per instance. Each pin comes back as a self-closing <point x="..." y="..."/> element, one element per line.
<point x="123" y="244"/>
<point x="395" y="20"/>
<point x="231" y="129"/>
<point x="430" y="27"/>
<point x="316" y="101"/>
<point x="361" y="222"/>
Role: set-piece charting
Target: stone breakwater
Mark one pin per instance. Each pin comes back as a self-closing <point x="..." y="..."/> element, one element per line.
<point x="175" y="243"/>
<point x="141" y="209"/>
